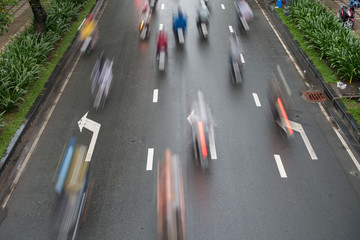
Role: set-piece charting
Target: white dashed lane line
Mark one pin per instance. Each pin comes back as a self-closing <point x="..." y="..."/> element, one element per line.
<point x="231" y="29"/>
<point x="280" y="166"/>
<point x="222" y="6"/>
<point x="256" y="99"/>
<point x="162" y="6"/>
<point x="150" y="157"/>
<point x="155" y="95"/>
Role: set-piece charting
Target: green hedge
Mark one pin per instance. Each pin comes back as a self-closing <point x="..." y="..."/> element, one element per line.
<point x="23" y="58"/>
<point x="339" y="46"/>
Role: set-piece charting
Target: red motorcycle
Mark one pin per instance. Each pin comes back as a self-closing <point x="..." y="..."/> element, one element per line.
<point x="347" y="16"/>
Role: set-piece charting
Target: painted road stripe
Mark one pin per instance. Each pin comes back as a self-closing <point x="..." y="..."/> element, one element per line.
<point x="155" y="96"/>
<point x="297" y="127"/>
<point x="150" y="157"/>
<point x="231" y="29"/>
<point x="280" y="166"/>
<point x="242" y="58"/>
<point x="162" y="6"/>
<point x="222" y="6"/>
<point x="257" y="101"/>
<point x="281" y="41"/>
<point x="161" y="26"/>
<point x="353" y="158"/>
<point x="212" y="144"/>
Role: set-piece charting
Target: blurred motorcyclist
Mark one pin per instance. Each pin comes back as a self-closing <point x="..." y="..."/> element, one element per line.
<point x="89" y="32"/>
<point x="235" y="49"/>
<point x="179" y="21"/>
<point x="244" y="10"/>
<point x="161" y="41"/>
<point x="203" y="14"/>
<point x="101" y="77"/>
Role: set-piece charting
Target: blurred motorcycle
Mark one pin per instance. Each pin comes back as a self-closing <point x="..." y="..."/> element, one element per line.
<point x="279" y="96"/>
<point x="235" y="51"/>
<point x="202" y="125"/>
<point x="88" y="34"/>
<point x="179" y="26"/>
<point x="202" y="20"/>
<point x="170" y="198"/>
<point x="144" y="27"/>
<point x="347" y="14"/>
<point x="244" y="14"/>
<point x="161" y="49"/>
<point x="101" y="78"/>
<point x="72" y="190"/>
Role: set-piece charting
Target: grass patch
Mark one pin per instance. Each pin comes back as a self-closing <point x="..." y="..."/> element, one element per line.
<point x="15" y="119"/>
<point x="326" y="72"/>
<point x="353" y="107"/>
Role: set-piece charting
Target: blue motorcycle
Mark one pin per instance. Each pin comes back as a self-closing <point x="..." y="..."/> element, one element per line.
<point x="179" y="26"/>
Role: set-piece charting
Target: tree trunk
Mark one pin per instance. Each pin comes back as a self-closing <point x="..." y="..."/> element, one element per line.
<point x="40" y="16"/>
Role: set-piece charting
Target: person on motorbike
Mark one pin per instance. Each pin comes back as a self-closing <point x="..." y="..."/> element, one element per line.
<point x="179" y="21"/>
<point x="161" y="41"/>
<point x="235" y="49"/>
<point x="203" y="15"/>
<point x="244" y="10"/>
<point x="89" y="29"/>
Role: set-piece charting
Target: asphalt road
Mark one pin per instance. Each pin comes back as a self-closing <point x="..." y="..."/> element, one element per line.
<point x="242" y="195"/>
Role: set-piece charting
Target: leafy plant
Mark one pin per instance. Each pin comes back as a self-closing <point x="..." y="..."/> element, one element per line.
<point x="326" y="34"/>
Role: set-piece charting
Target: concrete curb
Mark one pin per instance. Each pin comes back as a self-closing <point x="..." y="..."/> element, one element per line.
<point x="311" y="73"/>
<point x="40" y="100"/>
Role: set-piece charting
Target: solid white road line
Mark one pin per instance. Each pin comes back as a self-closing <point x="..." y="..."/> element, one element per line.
<point x="242" y="58"/>
<point x="280" y="166"/>
<point x="297" y="127"/>
<point x="23" y="165"/>
<point x="231" y="29"/>
<point x="222" y="6"/>
<point x="212" y="144"/>
<point x="256" y="99"/>
<point x="155" y="95"/>
<point x="162" y="6"/>
<point x="150" y="157"/>
<point x="352" y="156"/>
<point x="282" y="43"/>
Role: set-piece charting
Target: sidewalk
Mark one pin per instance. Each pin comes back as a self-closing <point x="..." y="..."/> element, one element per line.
<point x="22" y="16"/>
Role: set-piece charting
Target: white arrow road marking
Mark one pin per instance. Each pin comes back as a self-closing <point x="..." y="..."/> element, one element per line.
<point x="297" y="127"/>
<point x="93" y="127"/>
<point x="191" y="117"/>
<point x="222" y="6"/>
<point x="162" y="6"/>
<point x="231" y="29"/>
<point x="150" y="157"/>
<point x="212" y="143"/>
<point x="155" y="95"/>
<point x="280" y="166"/>
<point x="256" y="99"/>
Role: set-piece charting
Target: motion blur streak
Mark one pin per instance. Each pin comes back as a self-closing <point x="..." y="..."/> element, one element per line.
<point x="202" y="139"/>
<point x="291" y="132"/>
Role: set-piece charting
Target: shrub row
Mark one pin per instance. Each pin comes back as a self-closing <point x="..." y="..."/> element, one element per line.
<point x="23" y="58"/>
<point x="339" y="46"/>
